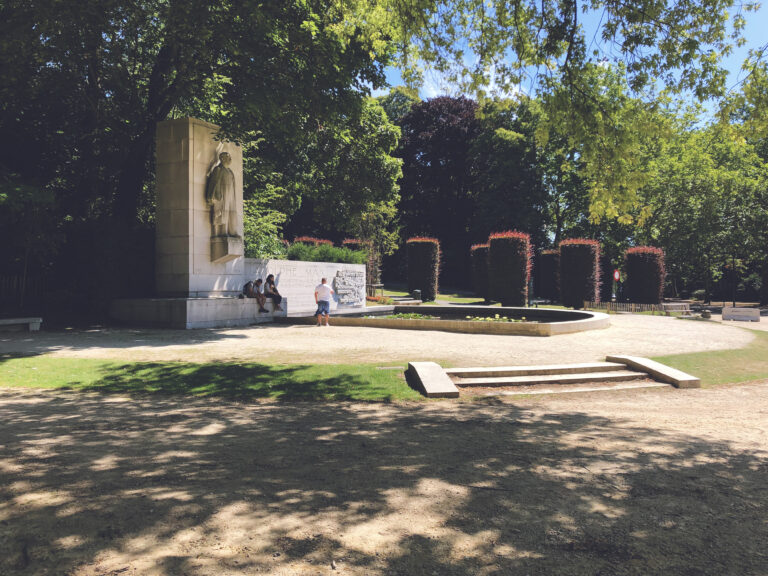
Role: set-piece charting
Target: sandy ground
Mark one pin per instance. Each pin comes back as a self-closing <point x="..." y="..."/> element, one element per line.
<point x="660" y="481"/>
<point x="628" y="334"/>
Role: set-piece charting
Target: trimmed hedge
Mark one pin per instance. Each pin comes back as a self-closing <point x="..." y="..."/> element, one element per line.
<point x="355" y="244"/>
<point x="579" y="272"/>
<point x="423" y="266"/>
<point x="312" y="241"/>
<point x="606" y="278"/>
<point x="325" y="253"/>
<point x="509" y="263"/>
<point x="644" y="266"/>
<point x="479" y="261"/>
<point x="548" y="275"/>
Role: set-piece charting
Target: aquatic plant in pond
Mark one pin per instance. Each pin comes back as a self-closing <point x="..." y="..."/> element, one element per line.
<point x="495" y="318"/>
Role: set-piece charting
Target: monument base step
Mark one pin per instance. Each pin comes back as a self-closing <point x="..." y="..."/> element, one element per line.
<point x="191" y="313"/>
<point x="567" y="388"/>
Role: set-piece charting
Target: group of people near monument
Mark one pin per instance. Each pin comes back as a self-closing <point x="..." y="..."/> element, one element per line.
<point x="323" y="296"/>
<point x="262" y="290"/>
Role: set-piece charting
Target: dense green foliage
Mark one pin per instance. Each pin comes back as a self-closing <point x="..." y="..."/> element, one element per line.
<point x="83" y="84"/>
<point x="579" y="272"/>
<point x="644" y="267"/>
<point x="325" y="253"/>
<point x="480" y="271"/>
<point x="423" y="266"/>
<point x="509" y="266"/>
<point x="547" y="275"/>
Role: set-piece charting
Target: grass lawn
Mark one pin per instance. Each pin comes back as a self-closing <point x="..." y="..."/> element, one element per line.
<point x="442" y="298"/>
<point x="224" y="380"/>
<point x="725" y="366"/>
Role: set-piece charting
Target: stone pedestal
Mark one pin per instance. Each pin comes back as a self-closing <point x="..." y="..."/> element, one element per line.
<point x="189" y="262"/>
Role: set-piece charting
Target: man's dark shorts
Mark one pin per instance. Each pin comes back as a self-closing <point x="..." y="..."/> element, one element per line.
<point x="323" y="307"/>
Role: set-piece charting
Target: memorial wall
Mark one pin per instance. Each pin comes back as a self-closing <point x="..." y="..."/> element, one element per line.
<point x="296" y="281"/>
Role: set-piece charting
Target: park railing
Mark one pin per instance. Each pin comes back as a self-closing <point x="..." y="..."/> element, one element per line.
<point x="625" y="307"/>
<point x="16" y="291"/>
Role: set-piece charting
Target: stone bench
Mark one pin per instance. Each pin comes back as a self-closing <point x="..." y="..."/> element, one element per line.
<point x="742" y="314"/>
<point x="32" y="323"/>
<point x="683" y="307"/>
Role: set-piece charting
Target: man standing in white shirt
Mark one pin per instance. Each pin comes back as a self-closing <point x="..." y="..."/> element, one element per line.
<point x="323" y="295"/>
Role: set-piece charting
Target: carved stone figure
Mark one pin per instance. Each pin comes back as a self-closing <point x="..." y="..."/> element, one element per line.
<point x="220" y="194"/>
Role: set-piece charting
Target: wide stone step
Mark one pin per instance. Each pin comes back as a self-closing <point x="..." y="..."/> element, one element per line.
<point x="499" y="371"/>
<point x="567" y="388"/>
<point x="529" y="380"/>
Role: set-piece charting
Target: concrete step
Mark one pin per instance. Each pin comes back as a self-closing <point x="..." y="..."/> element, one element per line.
<point x="498" y="371"/>
<point x="534" y="379"/>
<point x="567" y="388"/>
<point x="405" y="301"/>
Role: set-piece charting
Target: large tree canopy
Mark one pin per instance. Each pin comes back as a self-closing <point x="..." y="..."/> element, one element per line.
<point x="86" y="82"/>
<point x="501" y="43"/>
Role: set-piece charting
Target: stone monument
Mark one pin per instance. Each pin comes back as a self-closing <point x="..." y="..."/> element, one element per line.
<point x="199" y="248"/>
<point x="200" y="264"/>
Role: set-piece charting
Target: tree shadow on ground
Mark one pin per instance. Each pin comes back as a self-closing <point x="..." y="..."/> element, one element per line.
<point x="95" y="484"/>
<point x="241" y="381"/>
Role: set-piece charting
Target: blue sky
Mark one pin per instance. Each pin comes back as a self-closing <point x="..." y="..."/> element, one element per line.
<point x="755" y="32"/>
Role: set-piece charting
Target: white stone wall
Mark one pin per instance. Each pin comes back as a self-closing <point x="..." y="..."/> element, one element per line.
<point x="186" y="152"/>
<point x="296" y="281"/>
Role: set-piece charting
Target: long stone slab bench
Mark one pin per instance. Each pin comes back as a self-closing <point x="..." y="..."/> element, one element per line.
<point x="742" y="314"/>
<point x="32" y="323"/>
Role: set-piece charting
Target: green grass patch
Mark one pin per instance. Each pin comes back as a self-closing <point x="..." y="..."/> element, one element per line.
<point x="241" y="381"/>
<point x="442" y="298"/>
<point x="725" y="366"/>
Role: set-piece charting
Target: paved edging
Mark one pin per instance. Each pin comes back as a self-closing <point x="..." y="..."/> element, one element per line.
<point x="677" y="378"/>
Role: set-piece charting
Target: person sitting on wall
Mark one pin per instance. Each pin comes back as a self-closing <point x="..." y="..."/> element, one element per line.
<point x="323" y="295"/>
<point x="270" y="291"/>
<point x="259" y="295"/>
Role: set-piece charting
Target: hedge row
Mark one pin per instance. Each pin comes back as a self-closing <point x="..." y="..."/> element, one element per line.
<point x="480" y="274"/>
<point x="312" y="241"/>
<point x="509" y="265"/>
<point x="644" y="267"/>
<point x="579" y="272"/>
<point x="572" y="274"/>
<point x="548" y="275"/>
<point x="325" y="253"/>
<point x="355" y="244"/>
<point x="423" y="266"/>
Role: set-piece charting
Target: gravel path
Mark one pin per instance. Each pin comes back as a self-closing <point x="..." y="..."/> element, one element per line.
<point x="628" y="334"/>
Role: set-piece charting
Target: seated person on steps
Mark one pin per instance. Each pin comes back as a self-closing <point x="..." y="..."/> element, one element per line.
<point x="253" y="290"/>
<point x="270" y="291"/>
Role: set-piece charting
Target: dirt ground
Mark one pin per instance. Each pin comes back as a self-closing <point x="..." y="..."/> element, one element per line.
<point x="659" y="481"/>
<point x="628" y="334"/>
